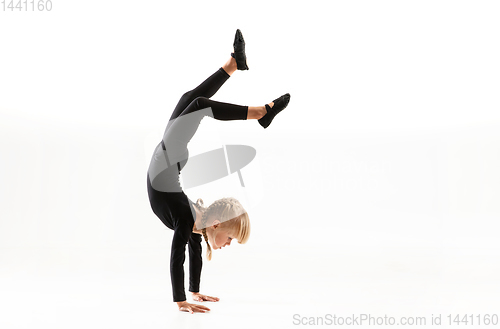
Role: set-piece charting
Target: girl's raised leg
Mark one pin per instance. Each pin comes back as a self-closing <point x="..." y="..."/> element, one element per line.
<point x="206" y="89"/>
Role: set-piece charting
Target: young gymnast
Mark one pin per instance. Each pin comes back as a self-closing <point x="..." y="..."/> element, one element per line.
<point x="225" y="219"/>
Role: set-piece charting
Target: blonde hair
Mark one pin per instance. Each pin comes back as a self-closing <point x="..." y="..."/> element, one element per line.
<point x="224" y="209"/>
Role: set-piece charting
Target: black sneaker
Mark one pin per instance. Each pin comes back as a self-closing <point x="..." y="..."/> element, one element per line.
<point x="279" y="105"/>
<point x="239" y="51"/>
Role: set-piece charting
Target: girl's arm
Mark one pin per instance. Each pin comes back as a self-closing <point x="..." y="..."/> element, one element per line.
<point x="195" y="262"/>
<point x="177" y="257"/>
<point x="195" y="265"/>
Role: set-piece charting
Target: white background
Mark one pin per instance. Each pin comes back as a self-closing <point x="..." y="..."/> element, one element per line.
<point x="376" y="191"/>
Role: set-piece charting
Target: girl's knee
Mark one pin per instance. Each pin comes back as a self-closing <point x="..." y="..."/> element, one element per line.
<point x="201" y="102"/>
<point x="187" y="97"/>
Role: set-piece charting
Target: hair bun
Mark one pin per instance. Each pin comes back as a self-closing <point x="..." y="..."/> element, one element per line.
<point x="199" y="203"/>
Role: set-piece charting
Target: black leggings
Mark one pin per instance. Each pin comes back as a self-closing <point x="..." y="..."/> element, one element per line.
<point x="198" y="99"/>
<point x="172" y="154"/>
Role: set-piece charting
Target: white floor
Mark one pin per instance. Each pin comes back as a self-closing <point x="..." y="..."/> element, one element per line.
<point x="382" y="227"/>
<point x="271" y="287"/>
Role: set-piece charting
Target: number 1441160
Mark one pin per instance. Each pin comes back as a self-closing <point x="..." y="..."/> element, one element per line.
<point x="27" y="5"/>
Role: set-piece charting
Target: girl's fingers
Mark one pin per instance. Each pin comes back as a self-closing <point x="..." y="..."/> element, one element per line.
<point x="187" y="309"/>
<point x="193" y="308"/>
<point x="210" y="298"/>
<point x="203" y="307"/>
<point x="202" y="298"/>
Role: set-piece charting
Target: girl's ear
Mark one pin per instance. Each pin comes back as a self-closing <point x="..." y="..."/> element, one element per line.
<point x="216" y="223"/>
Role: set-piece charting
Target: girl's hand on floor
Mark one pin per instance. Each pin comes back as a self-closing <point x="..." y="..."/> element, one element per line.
<point x="191" y="308"/>
<point x="202" y="298"/>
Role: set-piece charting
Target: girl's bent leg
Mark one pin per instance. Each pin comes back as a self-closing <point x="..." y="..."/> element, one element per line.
<point x="207" y="89"/>
<point x="220" y="110"/>
<point x="227" y="111"/>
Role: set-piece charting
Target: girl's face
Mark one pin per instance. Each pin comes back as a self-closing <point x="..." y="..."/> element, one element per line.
<point x="220" y="237"/>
